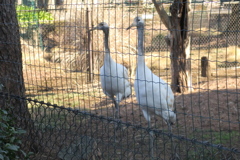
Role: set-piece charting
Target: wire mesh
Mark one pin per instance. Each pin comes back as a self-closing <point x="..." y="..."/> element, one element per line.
<point x="75" y="117"/>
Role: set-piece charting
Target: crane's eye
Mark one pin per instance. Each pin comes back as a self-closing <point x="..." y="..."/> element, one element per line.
<point x="138" y="19"/>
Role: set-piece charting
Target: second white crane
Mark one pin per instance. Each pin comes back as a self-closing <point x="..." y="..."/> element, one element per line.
<point x="114" y="76"/>
<point x="154" y="95"/>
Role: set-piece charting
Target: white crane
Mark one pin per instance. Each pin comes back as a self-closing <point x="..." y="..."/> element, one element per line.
<point x="113" y="76"/>
<point x="154" y="95"/>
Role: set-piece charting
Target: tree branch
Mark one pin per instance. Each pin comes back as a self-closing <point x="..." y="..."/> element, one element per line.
<point x="162" y="14"/>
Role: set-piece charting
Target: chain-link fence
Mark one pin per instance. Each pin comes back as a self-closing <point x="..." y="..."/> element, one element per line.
<point x="72" y="118"/>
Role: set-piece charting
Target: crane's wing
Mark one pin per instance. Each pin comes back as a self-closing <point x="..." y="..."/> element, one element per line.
<point x="128" y="90"/>
<point x="125" y="72"/>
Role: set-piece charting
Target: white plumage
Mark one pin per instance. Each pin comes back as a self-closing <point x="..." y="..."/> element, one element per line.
<point x="153" y="94"/>
<point x="113" y="76"/>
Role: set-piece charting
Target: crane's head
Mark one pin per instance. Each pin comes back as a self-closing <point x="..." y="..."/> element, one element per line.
<point x="101" y="26"/>
<point x="138" y="21"/>
<point x="172" y="118"/>
<point x="169" y="117"/>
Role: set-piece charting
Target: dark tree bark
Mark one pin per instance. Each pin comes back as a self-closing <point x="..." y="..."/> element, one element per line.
<point x="42" y="4"/>
<point x="11" y="74"/>
<point x="178" y="40"/>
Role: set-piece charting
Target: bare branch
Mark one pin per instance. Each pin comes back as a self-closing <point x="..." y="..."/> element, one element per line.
<point x="162" y="14"/>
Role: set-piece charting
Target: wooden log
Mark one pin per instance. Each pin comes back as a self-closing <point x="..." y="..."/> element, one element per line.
<point x="205" y="67"/>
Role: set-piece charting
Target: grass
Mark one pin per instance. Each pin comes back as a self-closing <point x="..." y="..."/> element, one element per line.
<point x="51" y="118"/>
<point x="73" y="99"/>
<point x="202" y="153"/>
<point x="223" y="137"/>
<point x="216" y="137"/>
<point x="196" y="151"/>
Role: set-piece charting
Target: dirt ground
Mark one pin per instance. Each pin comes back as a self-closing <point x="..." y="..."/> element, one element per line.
<point x="213" y="105"/>
<point x="210" y="113"/>
<point x="211" y="108"/>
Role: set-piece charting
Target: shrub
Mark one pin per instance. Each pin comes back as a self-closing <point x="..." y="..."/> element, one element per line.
<point x="29" y="16"/>
<point x="9" y="140"/>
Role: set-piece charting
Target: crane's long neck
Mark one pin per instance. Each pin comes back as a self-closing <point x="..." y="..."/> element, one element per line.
<point x="140" y="30"/>
<point x="107" y="57"/>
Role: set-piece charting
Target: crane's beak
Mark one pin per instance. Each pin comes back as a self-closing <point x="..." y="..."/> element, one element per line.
<point x="134" y="24"/>
<point x="94" y="28"/>
<point x="129" y="27"/>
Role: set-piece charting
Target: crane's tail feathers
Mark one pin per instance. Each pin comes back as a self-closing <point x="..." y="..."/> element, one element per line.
<point x="128" y="93"/>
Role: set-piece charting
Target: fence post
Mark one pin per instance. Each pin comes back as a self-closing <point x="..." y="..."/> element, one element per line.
<point x="205" y="67"/>
<point x="90" y="73"/>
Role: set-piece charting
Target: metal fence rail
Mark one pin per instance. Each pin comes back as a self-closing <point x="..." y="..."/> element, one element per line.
<point x="73" y="134"/>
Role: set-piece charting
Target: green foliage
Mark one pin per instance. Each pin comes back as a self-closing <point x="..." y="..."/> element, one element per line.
<point x="199" y="152"/>
<point x="147" y="8"/>
<point x="9" y="141"/>
<point x="222" y="137"/>
<point x="29" y="16"/>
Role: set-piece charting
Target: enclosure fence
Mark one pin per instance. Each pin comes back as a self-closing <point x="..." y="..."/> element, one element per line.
<point x="73" y="117"/>
<point x="74" y="134"/>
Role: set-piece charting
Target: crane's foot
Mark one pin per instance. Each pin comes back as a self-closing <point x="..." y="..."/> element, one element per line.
<point x="175" y="157"/>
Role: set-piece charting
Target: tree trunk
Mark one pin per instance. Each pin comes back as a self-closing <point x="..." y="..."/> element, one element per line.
<point x="178" y="45"/>
<point x="178" y="40"/>
<point x="11" y="74"/>
<point x="42" y="4"/>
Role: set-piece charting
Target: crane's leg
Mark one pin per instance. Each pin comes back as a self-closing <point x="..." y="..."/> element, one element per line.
<point x="114" y="117"/>
<point x="119" y="97"/>
<point x="172" y="143"/>
<point x="151" y="138"/>
<point x="174" y="146"/>
<point x="169" y="127"/>
<point x="117" y="126"/>
<point x="151" y="142"/>
<point x="115" y="108"/>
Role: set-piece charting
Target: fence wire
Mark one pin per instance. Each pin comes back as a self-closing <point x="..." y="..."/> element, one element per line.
<point x="73" y="134"/>
<point x="75" y="120"/>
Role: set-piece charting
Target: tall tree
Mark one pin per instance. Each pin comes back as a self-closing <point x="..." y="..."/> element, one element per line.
<point x="43" y="4"/>
<point x="178" y="41"/>
<point x="11" y="73"/>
